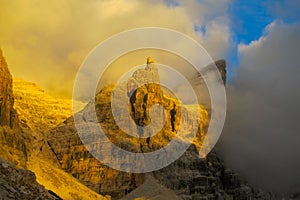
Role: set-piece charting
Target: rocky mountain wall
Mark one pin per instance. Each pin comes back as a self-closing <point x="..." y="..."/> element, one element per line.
<point x="12" y="138"/>
<point x="7" y="113"/>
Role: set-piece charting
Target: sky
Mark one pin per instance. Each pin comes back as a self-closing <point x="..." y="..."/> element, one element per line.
<point x="261" y="139"/>
<point x="46" y="42"/>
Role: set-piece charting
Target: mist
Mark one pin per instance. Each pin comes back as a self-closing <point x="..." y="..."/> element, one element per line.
<point x="261" y="137"/>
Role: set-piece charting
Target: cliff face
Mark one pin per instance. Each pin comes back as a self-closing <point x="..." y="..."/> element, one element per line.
<point x="189" y="177"/>
<point x="186" y="177"/>
<point x="193" y="178"/>
<point x="71" y="155"/>
<point x="12" y="138"/>
<point x="7" y="113"/>
<point x="64" y="149"/>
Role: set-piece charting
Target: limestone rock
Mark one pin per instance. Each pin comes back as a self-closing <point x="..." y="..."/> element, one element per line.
<point x="72" y="156"/>
<point x="75" y="159"/>
<point x="194" y="178"/>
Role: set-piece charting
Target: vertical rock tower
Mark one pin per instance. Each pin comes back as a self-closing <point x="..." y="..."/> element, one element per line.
<point x="7" y="113"/>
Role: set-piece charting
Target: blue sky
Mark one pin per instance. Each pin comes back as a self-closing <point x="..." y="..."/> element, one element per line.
<point x="248" y="20"/>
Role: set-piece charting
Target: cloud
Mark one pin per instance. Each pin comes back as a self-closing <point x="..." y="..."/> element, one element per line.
<point x="261" y="136"/>
<point x="285" y="9"/>
<point x="45" y="42"/>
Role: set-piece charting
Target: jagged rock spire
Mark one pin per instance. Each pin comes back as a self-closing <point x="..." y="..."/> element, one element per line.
<point x="7" y="113"/>
<point x="143" y="76"/>
<point x="151" y="66"/>
<point x="150" y="60"/>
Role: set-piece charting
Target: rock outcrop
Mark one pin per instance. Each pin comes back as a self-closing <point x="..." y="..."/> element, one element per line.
<point x="221" y="65"/>
<point x="16" y="183"/>
<point x="193" y="178"/>
<point x="12" y="138"/>
<point x="7" y="113"/>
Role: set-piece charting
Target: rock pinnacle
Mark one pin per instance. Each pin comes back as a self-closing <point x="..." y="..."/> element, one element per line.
<point x="149" y="60"/>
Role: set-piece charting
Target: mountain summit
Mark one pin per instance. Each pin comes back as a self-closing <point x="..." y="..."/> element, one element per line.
<point x="63" y="164"/>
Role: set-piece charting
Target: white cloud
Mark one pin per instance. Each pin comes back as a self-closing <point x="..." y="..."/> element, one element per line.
<point x="261" y="136"/>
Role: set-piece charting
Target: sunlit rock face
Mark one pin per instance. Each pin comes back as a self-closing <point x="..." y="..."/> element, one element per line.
<point x="143" y="91"/>
<point x="37" y="110"/>
<point x="7" y="113"/>
<point x="71" y="155"/>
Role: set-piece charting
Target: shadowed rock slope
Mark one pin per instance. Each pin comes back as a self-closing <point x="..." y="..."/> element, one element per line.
<point x="16" y="183"/>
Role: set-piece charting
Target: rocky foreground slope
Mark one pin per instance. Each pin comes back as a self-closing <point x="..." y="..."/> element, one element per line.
<point x="16" y="183"/>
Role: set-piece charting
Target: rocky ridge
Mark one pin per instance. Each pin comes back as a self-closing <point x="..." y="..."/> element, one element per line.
<point x="37" y="110"/>
<point x="12" y="138"/>
<point x="16" y="183"/>
<point x="7" y="113"/>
